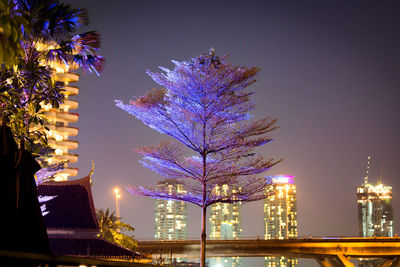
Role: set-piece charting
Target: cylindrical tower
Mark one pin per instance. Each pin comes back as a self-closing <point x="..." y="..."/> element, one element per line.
<point x="60" y="120"/>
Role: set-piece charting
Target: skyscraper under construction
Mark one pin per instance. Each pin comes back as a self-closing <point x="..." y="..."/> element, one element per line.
<point x="375" y="212"/>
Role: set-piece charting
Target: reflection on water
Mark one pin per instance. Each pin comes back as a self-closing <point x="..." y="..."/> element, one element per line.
<point x="280" y="261"/>
<point x="225" y="262"/>
<point x="259" y="262"/>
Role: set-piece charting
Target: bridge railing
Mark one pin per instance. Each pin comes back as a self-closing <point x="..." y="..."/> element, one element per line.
<point x="305" y="237"/>
<point x="17" y="258"/>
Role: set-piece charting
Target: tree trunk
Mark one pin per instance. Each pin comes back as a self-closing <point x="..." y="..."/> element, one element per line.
<point x="204" y="208"/>
<point x="203" y="238"/>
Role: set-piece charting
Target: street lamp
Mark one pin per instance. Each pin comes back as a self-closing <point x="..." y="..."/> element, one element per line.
<point x="117" y="196"/>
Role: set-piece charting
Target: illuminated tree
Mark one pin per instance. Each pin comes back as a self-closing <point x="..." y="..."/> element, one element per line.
<point x="206" y="108"/>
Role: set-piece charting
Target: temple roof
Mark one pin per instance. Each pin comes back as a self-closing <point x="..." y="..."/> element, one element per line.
<point x="71" y="222"/>
<point x="72" y="208"/>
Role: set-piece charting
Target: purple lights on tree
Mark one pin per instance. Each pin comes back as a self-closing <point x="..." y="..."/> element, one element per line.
<point x="206" y="108"/>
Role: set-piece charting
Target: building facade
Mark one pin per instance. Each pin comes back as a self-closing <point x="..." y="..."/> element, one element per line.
<point x="170" y="216"/>
<point x="280" y="215"/>
<point x="60" y="120"/>
<point x="225" y="224"/>
<point x="375" y="212"/>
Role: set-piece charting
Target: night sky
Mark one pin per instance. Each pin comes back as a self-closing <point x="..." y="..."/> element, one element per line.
<point x="330" y="74"/>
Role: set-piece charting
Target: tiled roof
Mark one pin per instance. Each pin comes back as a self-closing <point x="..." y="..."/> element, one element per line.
<point x="90" y="247"/>
<point x="73" y="208"/>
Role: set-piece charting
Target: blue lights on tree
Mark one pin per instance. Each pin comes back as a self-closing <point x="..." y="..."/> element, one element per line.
<point x="205" y="106"/>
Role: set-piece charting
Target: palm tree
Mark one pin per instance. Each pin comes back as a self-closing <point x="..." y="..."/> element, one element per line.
<point x="33" y="34"/>
<point x="54" y="25"/>
<point x="107" y="223"/>
<point x="46" y="33"/>
<point x="11" y="20"/>
<point x="48" y="22"/>
<point x="115" y="231"/>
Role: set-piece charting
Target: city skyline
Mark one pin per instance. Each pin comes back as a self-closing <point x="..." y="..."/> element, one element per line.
<point x="330" y="76"/>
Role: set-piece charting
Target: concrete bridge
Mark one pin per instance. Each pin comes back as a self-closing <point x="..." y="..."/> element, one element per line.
<point x="329" y="252"/>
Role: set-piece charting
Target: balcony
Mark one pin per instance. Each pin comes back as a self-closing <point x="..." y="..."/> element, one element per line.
<point x="72" y="104"/>
<point x="67" y="116"/>
<point x="71" y="158"/>
<point x="61" y="116"/>
<point x="66" y="77"/>
<point x="62" y="130"/>
<point x="68" y="144"/>
<point x="50" y="113"/>
<point x="71" y="131"/>
<point x="69" y="171"/>
<point x="71" y="90"/>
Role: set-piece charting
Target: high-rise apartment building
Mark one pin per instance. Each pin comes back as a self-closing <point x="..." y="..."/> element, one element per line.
<point x="60" y="119"/>
<point x="170" y="215"/>
<point x="225" y="223"/>
<point x="280" y="215"/>
<point x="225" y="218"/>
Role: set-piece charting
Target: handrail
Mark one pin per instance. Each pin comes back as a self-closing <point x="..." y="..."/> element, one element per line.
<point x="261" y="237"/>
<point x="16" y="256"/>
